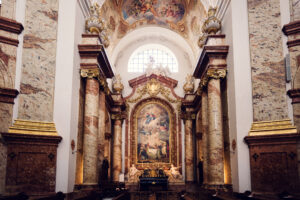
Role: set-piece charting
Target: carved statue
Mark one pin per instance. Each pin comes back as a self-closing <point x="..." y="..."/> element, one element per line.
<point x="188" y="87"/>
<point x="133" y="174"/>
<point x="174" y="174"/>
<point x="117" y="84"/>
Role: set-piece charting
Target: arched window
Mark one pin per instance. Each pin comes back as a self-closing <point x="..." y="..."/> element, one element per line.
<point x="152" y="55"/>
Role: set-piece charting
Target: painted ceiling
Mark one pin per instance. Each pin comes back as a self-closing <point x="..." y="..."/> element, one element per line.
<point x="185" y="17"/>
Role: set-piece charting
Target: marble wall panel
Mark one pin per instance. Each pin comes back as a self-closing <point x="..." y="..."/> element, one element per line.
<point x="295" y="10"/>
<point x="7" y="65"/>
<point x="3" y="157"/>
<point x="8" y="9"/>
<point x="39" y="55"/>
<point x="268" y="72"/>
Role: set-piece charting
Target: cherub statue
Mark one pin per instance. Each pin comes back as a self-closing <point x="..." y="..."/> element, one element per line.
<point x="133" y="174"/>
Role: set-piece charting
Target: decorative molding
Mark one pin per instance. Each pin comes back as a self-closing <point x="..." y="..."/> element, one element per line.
<point x="291" y="28"/>
<point x="293" y="43"/>
<point x="172" y="83"/>
<point x="295" y="95"/>
<point x="276" y="127"/>
<point x="10" y="25"/>
<point x="84" y="6"/>
<point x="29" y="127"/>
<point x="9" y="41"/>
<point x="8" y="95"/>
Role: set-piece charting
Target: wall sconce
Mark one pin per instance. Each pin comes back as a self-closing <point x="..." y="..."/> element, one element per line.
<point x="73" y="146"/>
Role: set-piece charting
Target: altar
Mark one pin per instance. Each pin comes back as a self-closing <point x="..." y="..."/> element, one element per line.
<point x="153" y="180"/>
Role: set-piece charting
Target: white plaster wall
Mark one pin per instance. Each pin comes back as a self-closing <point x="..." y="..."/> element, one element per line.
<point x="235" y="26"/>
<point x="285" y="19"/>
<point x="67" y="82"/>
<point x="153" y="35"/>
<point x="20" y="17"/>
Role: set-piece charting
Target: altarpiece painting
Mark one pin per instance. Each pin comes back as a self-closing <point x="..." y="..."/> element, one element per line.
<point x="153" y="134"/>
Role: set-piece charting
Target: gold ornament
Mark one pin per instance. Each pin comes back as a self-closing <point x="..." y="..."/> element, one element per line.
<point x="216" y="73"/>
<point x="89" y="73"/>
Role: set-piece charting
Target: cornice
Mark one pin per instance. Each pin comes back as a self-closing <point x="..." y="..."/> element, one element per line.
<point x="10" y="25"/>
<point x="8" y="95"/>
<point x="293" y="43"/>
<point x="172" y="83"/>
<point x="291" y="28"/>
<point x="294" y="94"/>
<point x="9" y="41"/>
<point x="219" y="51"/>
<point x="96" y="51"/>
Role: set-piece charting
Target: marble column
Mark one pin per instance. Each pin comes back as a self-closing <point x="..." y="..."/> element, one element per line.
<point x="117" y="149"/>
<point x="189" y="153"/>
<point x="204" y="135"/>
<point x="90" y="151"/>
<point x="215" y="129"/>
<point x="101" y="129"/>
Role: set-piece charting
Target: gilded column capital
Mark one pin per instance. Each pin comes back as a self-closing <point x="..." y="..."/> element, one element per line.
<point x="216" y="73"/>
<point x="89" y="73"/>
<point x="188" y="116"/>
<point x="117" y="116"/>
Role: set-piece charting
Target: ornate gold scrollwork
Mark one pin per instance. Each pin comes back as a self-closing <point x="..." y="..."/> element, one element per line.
<point x="153" y="87"/>
<point x="89" y="73"/>
<point x="216" y="73"/>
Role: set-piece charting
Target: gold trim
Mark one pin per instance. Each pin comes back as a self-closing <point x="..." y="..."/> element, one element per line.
<point x="272" y="127"/>
<point x="33" y="128"/>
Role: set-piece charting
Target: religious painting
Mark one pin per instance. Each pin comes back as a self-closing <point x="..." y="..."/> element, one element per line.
<point x="154" y="11"/>
<point x="153" y="134"/>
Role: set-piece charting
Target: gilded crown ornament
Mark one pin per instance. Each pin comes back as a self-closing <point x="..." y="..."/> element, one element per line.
<point x="211" y="26"/>
<point x="188" y="86"/>
<point x="96" y="25"/>
<point x="117" y="84"/>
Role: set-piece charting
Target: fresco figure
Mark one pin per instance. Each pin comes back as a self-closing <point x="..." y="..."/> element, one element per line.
<point x="156" y="11"/>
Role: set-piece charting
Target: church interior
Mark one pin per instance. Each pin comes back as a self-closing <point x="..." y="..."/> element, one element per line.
<point x="150" y="99"/>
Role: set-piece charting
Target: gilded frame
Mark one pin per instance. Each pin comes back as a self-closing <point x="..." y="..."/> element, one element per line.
<point x="172" y="134"/>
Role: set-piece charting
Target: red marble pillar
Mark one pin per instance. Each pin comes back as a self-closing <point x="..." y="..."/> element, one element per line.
<point x="101" y="128"/>
<point x="204" y="135"/>
<point x="117" y="149"/>
<point x="90" y="151"/>
<point x="189" y="153"/>
<point x="215" y="134"/>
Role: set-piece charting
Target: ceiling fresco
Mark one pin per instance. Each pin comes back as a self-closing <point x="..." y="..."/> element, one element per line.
<point x="185" y="17"/>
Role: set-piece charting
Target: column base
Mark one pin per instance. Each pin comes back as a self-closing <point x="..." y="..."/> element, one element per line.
<point x="218" y="187"/>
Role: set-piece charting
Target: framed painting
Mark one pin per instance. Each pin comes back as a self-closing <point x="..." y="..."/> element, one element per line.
<point x="153" y="136"/>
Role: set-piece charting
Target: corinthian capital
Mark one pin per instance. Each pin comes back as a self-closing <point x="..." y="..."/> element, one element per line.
<point x="89" y="73"/>
<point x="216" y="73"/>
